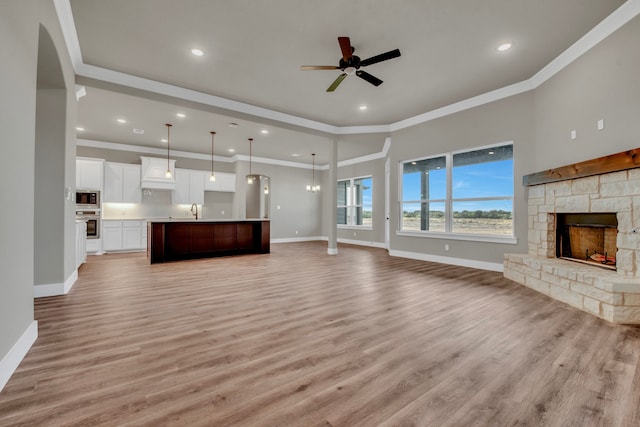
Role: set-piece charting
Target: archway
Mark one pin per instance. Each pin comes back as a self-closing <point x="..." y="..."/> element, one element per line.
<point x="49" y="164"/>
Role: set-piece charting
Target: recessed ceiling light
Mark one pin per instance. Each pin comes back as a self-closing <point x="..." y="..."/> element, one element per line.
<point x="504" y="46"/>
<point x="181" y="115"/>
<point x="492" y="152"/>
<point x="295" y="155"/>
<point x="122" y="121"/>
<point x="138" y="131"/>
<point x="163" y="140"/>
<point x="264" y="131"/>
<point x="197" y="52"/>
<point x="437" y="167"/>
<point x="233" y="125"/>
<point x="80" y="129"/>
<point x="413" y="163"/>
<point x="231" y="150"/>
<point x="363" y="107"/>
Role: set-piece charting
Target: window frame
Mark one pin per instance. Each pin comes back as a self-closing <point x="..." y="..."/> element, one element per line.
<point x="448" y="232"/>
<point x="352" y="208"/>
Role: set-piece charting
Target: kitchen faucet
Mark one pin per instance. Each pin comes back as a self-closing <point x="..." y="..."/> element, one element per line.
<point x="193" y="205"/>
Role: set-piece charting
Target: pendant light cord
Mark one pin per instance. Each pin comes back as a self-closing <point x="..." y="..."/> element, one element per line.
<point x="250" y="144"/>
<point x="168" y="125"/>
<point x="212" y="133"/>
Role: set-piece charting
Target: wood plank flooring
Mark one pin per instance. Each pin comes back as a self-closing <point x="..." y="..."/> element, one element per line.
<point x="300" y="338"/>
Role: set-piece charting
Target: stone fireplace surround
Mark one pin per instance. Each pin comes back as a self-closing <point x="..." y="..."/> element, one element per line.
<point x="611" y="295"/>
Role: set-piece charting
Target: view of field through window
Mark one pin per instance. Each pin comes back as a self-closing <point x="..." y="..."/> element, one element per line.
<point x="481" y="191"/>
<point x="355" y="202"/>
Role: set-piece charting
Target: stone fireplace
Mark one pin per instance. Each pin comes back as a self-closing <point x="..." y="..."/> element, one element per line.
<point x="584" y="243"/>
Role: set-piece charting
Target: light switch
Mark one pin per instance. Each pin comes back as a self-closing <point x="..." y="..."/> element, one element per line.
<point x="601" y="124"/>
<point x="573" y="134"/>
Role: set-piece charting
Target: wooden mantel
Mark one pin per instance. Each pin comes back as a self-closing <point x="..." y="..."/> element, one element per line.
<point x="612" y="163"/>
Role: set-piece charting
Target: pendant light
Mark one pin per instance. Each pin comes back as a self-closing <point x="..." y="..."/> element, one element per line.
<point x="313" y="187"/>
<point x="168" y="174"/>
<point x="250" y="176"/>
<point x="213" y="175"/>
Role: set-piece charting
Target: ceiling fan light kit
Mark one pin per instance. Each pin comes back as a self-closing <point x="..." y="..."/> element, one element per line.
<point x="350" y="64"/>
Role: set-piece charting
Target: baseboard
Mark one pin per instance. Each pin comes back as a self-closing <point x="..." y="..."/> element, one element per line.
<point x="481" y="265"/>
<point x="297" y="239"/>
<point x="55" y="289"/>
<point x="11" y="360"/>
<point x="362" y="243"/>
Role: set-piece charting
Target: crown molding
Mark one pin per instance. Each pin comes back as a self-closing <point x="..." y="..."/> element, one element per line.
<point x="236" y="158"/>
<point x="149" y="150"/>
<point x="627" y="11"/>
<point x="369" y="157"/>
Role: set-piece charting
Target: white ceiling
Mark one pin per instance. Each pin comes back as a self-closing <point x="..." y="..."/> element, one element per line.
<point x="253" y="51"/>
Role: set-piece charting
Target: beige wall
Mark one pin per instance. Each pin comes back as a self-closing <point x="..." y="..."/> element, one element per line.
<point x="602" y="84"/>
<point x="19" y="33"/>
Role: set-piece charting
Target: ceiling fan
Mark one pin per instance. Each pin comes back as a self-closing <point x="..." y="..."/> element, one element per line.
<point x="350" y="64"/>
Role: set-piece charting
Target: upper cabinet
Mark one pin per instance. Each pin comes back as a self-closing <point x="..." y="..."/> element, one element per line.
<point x="223" y="182"/>
<point x="89" y="174"/>
<point x="122" y="183"/>
<point x="189" y="187"/>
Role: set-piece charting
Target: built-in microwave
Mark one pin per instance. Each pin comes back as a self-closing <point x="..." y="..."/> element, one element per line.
<point x="87" y="199"/>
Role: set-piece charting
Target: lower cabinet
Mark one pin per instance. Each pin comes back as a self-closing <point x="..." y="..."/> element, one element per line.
<point x="81" y="243"/>
<point x="125" y="235"/>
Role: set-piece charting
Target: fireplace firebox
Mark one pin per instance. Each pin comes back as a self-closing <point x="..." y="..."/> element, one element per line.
<point x="588" y="238"/>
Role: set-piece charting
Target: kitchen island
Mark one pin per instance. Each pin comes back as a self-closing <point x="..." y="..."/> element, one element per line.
<point x="179" y="239"/>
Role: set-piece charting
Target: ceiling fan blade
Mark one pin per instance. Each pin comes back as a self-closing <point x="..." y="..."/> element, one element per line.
<point x="345" y="47"/>
<point x="336" y="82"/>
<point x="368" y="77"/>
<point x="379" y="58"/>
<point x="318" y="67"/>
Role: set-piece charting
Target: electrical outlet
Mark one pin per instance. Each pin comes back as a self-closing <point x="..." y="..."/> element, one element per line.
<point x="446" y="247"/>
<point x="221" y="212"/>
<point x="354" y="234"/>
<point x="574" y="135"/>
<point x="600" y="124"/>
<point x="296" y="232"/>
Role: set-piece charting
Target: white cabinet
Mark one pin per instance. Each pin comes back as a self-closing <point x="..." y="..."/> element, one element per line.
<point x="122" y="183"/>
<point x="131" y="235"/>
<point x="189" y="187"/>
<point x="81" y="243"/>
<point x="125" y="235"/>
<point x="224" y="182"/>
<point x="94" y="246"/>
<point x="143" y="236"/>
<point x="89" y="174"/>
<point x="111" y="235"/>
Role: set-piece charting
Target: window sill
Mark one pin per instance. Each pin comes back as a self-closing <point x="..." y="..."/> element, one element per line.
<point x="354" y="227"/>
<point x="509" y="240"/>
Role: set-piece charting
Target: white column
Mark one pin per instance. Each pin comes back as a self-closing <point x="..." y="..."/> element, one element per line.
<point x="332" y="248"/>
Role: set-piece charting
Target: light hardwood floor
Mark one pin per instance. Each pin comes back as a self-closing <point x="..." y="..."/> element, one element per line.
<point x="300" y="338"/>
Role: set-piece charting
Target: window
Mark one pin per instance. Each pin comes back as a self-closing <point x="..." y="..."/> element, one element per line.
<point x="355" y="206"/>
<point x="468" y="192"/>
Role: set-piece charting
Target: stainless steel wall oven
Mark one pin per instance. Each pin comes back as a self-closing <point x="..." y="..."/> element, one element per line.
<point x="93" y="222"/>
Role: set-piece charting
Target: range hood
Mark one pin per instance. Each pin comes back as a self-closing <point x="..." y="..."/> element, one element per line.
<point x="153" y="174"/>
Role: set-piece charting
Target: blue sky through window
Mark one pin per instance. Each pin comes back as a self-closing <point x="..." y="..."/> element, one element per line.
<point x="489" y="179"/>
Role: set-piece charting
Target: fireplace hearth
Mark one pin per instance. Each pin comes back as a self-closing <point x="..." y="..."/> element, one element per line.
<point x="589" y="238"/>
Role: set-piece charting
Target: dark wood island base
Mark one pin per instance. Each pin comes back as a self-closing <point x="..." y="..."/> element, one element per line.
<point x="171" y="240"/>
